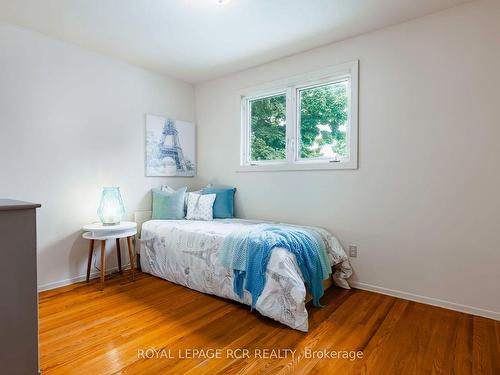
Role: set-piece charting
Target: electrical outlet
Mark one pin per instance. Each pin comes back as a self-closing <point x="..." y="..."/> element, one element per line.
<point x="353" y="251"/>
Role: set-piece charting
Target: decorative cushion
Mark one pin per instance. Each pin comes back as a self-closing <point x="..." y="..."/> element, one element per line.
<point x="168" y="205"/>
<point x="200" y="206"/>
<point x="170" y="189"/>
<point x="224" y="202"/>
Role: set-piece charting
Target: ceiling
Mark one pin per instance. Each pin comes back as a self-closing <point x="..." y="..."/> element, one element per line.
<point x="197" y="40"/>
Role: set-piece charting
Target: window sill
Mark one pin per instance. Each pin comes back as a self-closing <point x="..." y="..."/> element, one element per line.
<point x="306" y="166"/>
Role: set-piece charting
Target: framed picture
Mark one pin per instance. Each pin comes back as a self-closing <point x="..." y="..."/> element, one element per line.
<point x="170" y="147"/>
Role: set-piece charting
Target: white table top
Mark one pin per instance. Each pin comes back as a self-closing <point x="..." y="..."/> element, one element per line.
<point x="109" y="236"/>
<point x="99" y="227"/>
<point x="98" y="231"/>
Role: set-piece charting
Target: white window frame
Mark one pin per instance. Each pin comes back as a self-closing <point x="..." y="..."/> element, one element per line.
<point x="291" y="86"/>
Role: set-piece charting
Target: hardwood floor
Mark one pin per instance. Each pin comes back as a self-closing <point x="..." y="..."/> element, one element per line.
<point x="87" y="331"/>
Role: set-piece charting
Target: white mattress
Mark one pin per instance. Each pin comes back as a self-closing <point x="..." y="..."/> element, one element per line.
<point x="186" y="252"/>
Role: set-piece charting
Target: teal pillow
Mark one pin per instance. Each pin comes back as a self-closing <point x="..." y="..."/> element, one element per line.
<point x="168" y="205"/>
<point x="224" y="201"/>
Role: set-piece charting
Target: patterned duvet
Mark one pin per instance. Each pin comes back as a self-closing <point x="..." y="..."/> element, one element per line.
<point x="186" y="252"/>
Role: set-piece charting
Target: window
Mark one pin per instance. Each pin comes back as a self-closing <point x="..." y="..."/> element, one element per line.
<point x="268" y="128"/>
<point x="306" y="122"/>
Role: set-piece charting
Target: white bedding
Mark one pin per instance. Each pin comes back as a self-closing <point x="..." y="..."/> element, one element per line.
<point x="186" y="252"/>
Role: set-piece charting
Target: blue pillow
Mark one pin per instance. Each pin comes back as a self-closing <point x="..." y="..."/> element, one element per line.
<point x="224" y="201"/>
<point x="168" y="205"/>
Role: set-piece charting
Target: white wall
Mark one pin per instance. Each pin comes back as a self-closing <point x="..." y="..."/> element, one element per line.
<point x="71" y="122"/>
<point x="424" y="205"/>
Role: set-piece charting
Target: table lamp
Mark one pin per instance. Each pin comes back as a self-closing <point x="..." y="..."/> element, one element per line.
<point x="111" y="209"/>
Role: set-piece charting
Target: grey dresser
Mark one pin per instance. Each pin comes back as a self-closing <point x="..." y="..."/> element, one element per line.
<point x="18" y="288"/>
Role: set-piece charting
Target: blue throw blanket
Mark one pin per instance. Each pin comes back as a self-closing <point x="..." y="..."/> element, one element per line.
<point x="247" y="253"/>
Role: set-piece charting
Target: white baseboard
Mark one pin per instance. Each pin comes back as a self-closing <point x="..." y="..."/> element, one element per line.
<point x="427" y="300"/>
<point x="73" y="280"/>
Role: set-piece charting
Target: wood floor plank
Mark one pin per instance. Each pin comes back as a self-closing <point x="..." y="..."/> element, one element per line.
<point x="87" y="331"/>
<point x="486" y="348"/>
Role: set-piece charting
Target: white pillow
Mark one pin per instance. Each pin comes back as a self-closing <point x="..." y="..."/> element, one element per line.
<point x="200" y="206"/>
<point x="167" y="189"/>
<point x="170" y="189"/>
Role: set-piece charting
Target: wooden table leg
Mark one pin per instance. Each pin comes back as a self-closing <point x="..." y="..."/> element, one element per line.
<point x="119" y="254"/>
<point x="103" y="262"/>
<point x="89" y="264"/>
<point x="131" y="256"/>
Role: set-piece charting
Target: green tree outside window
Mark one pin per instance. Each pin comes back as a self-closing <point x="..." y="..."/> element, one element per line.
<point x="322" y="124"/>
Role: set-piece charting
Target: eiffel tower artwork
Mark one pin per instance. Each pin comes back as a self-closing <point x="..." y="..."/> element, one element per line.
<point x="169" y="147"/>
<point x="173" y="149"/>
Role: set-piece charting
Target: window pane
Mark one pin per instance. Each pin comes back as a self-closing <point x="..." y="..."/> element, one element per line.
<point x="268" y="128"/>
<point x="323" y="121"/>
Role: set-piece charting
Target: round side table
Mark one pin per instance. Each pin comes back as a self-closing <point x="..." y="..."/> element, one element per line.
<point x="100" y="232"/>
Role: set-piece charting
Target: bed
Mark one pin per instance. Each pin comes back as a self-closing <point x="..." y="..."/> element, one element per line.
<point x="186" y="252"/>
